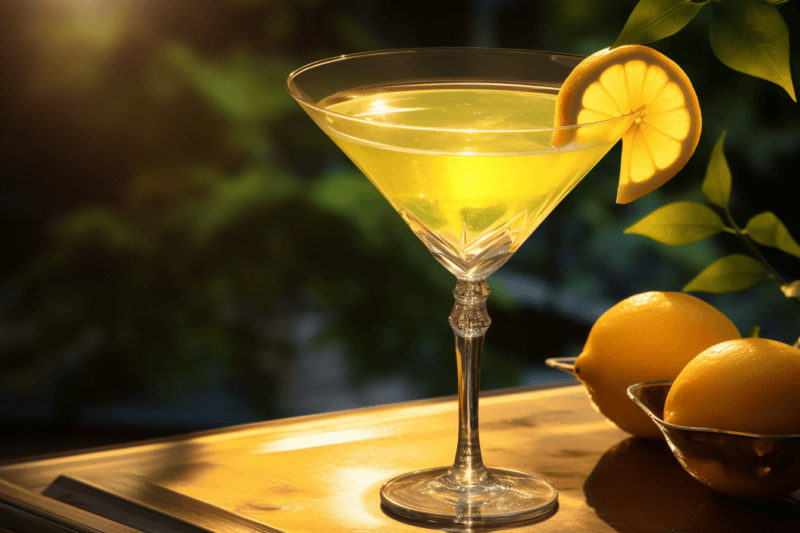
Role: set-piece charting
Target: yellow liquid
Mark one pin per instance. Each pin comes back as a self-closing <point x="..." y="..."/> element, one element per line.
<point x="461" y="159"/>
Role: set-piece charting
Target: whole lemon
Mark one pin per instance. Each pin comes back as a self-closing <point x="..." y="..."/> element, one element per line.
<point x="647" y="337"/>
<point x="747" y="385"/>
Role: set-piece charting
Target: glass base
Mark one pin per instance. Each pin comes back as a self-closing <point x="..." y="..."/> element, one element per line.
<point x="505" y="496"/>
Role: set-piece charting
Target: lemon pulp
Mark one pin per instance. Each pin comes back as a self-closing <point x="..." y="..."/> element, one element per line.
<point x="614" y="82"/>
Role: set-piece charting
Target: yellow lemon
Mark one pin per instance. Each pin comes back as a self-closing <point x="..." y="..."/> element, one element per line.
<point x="617" y="81"/>
<point x="746" y="385"/>
<point x="647" y="337"/>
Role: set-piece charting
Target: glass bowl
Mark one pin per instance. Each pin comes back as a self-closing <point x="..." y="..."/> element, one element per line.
<point x="743" y="465"/>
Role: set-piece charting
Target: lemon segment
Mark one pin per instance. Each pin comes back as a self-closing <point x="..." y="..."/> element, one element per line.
<point x="629" y="79"/>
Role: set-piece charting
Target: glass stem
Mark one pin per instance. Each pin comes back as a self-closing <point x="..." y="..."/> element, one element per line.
<point x="469" y="321"/>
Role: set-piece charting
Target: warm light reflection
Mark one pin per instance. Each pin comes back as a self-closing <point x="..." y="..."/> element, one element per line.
<point x="96" y="22"/>
<point x="96" y="30"/>
<point x="581" y="429"/>
<point x="379" y="107"/>
<point x="353" y="486"/>
<point x="324" y="439"/>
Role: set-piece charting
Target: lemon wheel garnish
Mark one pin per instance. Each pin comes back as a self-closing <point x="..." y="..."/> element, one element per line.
<point x="619" y="81"/>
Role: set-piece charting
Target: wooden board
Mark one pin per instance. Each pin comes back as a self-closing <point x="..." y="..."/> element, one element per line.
<point x="323" y="472"/>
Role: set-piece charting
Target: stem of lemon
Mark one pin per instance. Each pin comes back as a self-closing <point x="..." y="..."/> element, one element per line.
<point x="757" y="253"/>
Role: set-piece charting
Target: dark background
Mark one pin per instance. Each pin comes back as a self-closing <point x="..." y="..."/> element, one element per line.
<point x="182" y="248"/>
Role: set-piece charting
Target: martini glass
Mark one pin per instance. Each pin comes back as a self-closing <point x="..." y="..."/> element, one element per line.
<point x="460" y="142"/>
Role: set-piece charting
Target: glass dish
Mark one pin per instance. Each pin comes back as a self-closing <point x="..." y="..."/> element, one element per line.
<point x="738" y="464"/>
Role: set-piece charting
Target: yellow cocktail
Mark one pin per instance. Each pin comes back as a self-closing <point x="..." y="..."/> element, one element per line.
<point x="461" y="185"/>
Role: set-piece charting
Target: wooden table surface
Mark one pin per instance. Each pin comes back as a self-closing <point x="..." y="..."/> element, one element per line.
<point x="322" y="473"/>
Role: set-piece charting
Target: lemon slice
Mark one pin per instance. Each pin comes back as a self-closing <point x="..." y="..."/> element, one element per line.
<point x="615" y="82"/>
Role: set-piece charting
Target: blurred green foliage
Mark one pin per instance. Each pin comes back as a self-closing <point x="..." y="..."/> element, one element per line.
<point x="171" y="214"/>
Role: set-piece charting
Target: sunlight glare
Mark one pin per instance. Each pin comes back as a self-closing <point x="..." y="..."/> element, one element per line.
<point x="96" y="22"/>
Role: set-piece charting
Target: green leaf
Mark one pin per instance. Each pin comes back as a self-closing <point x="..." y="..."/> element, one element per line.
<point x="731" y="273"/>
<point x="230" y="200"/>
<point x="679" y="223"/>
<point x="765" y="228"/>
<point x="751" y="36"/>
<point x="652" y="20"/>
<point x="103" y="226"/>
<point x="717" y="183"/>
<point x="242" y="87"/>
<point x="755" y="332"/>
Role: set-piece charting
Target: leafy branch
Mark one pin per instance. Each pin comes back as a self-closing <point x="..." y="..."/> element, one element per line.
<point x="682" y="223"/>
<point x="749" y="36"/>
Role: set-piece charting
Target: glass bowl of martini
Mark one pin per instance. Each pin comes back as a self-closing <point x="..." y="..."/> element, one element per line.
<point x="460" y="141"/>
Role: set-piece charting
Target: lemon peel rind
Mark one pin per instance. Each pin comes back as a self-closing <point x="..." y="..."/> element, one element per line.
<point x="611" y="362"/>
<point x="762" y="372"/>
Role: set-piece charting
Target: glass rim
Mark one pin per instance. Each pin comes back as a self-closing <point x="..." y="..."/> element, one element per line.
<point x="300" y="97"/>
